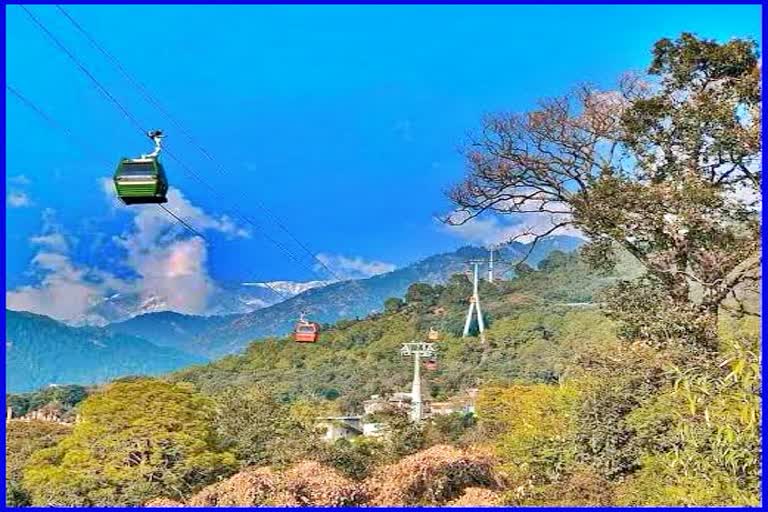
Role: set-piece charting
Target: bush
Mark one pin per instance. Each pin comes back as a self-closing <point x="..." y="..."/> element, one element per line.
<point x="582" y="486"/>
<point x="247" y="488"/>
<point x="23" y="438"/>
<point x="528" y="428"/>
<point x="304" y="484"/>
<point x="710" y="417"/>
<point x="448" y="428"/>
<point x="393" y="305"/>
<point x="432" y="477"/>
<point x="354" y="459"/>
<point x="259" y="427"/>
<point x="310" y="483"/>
<point x="163" y="503"/>
<point x="660" y="483"/>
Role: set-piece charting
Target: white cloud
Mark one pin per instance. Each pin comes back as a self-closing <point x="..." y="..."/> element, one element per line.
<point x="353" y="268"/>
<point x="64" y="292"/>
<point x="17" y="196"/>
<point x="195" y="216"/>
<point x="171" y="266"/>
<point x="176" y="273"/>
<point x="55" y="241"/>
<point x="151" y="221"/>
<point x="168" y="264"/>
<point x="523" y="227"/>
<point x="18" y="199"/>
<point x="53" y="236"/>
<point x="19" y="179"/>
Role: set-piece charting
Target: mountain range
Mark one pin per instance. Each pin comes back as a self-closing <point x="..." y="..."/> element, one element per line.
<point x="41" y="351"/>
<point x="228" y="298"/>
<point x="213" y="337"/>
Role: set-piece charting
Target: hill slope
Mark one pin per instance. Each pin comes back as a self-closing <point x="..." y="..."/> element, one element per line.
<point x="213" y="337"/>
<point x="41" y="351"/>
<point x="170" y="329"/>
<point x="533" y="327"/>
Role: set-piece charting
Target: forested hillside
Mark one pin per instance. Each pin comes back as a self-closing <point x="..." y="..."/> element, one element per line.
<point x="557" y="386"/>
<point x="535" y="321"/>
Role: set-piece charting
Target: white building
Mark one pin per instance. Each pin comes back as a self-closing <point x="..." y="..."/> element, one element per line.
<point x="341" y="427"/>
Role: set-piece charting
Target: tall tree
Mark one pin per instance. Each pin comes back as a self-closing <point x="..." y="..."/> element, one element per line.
<point x="667" y="168"/>
<point x="260" y="428"/>
<point x="137" y="439"/>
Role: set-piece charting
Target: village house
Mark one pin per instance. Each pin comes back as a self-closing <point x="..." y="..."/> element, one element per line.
<point x="52" y="413"/>
<point x="340" y="427"/>
<point x="463" y="403"/>
<point x="377" y="403"/>
<point x="347" y="427"/>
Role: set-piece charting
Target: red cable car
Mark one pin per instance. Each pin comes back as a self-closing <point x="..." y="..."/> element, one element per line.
<point x="430" y="364"/>
<point x="305" y="331"/>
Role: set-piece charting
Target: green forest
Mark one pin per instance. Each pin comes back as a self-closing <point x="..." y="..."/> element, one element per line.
<point x="624" y="373"/>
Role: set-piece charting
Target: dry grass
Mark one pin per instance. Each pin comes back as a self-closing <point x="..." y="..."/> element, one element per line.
<point x="437" y="476"/>
<point x="247" y="488"/>
<point x="432" y="477"/>
<point x="311" y="483"/>
<point x="163" y="502"/>
<point x="477" y="497"/>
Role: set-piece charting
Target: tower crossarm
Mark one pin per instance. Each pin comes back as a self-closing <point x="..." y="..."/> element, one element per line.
<point x="418" y="347"/>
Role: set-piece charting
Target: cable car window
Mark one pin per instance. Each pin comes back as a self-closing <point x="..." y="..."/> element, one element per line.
<point x="307" y="328"/>
<point x="137" y="169"/>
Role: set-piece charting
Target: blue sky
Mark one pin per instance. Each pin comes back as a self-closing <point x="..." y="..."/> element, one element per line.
<point x="345" y="121"/>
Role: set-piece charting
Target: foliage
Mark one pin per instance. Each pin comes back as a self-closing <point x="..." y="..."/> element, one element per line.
<point x="250" y="487"/>
<point x="603" y="438"/>
<point x="476" y="497"/>
<point x="401" y="436"/>
<point x="532" y="336"/>
<point x="65" y="396"/>
<point x="667" y="169"/>
<point x="422" y="295"/>
<point x="439" y="475"/>
<point x="260" y="427"/>
<point x="615" y="380"/>
<point x="137" y="438"/>
<point x="581" y="486"/>
<point x="354" y="458"/>
<point x="659" y="482"/>
<point x="651" y="399"/>
<point x="393" y="305"/>
<point x="528" y="427"/>
<point x="711" y="412"/>
<point x="23" y="438"/>
<point x="309" y="483"/>
<point x="449" y="428"/>
<point x="645" y="312"/>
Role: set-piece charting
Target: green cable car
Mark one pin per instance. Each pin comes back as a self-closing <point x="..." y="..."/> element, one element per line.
<point x="142" y="180"/>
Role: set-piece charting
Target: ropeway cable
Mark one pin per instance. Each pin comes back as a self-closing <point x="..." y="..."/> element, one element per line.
<point x="156" y="103"/>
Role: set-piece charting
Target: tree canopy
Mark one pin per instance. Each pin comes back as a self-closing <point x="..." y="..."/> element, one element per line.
<point x="666" y="168"/>
<point x="136" y="439"/>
